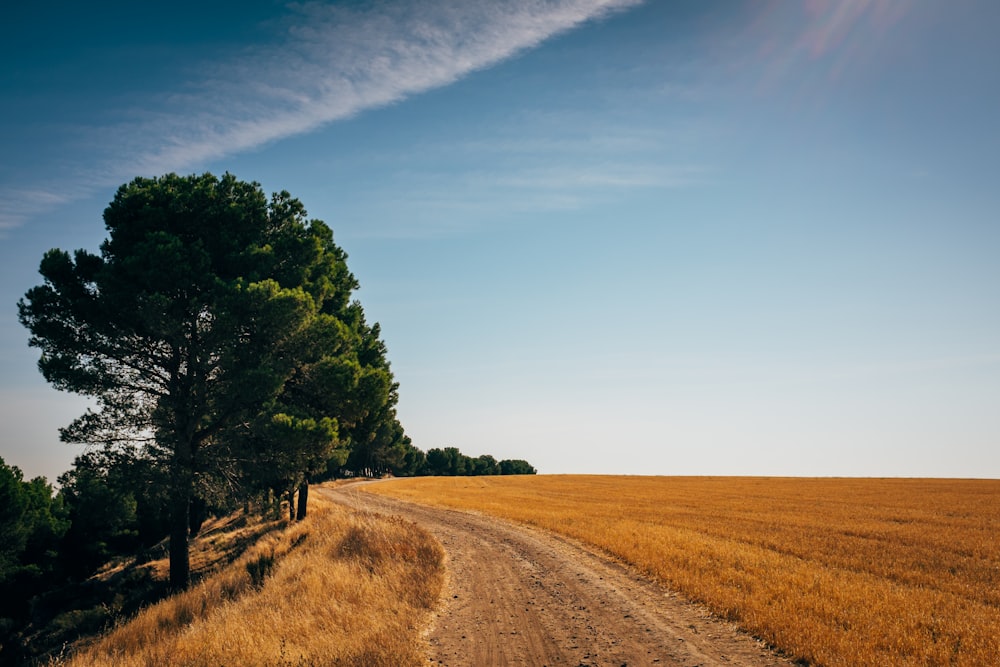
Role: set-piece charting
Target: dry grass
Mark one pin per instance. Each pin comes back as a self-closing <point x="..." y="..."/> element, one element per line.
<point x="341" y="588"/>
<point x="832" y="571"/>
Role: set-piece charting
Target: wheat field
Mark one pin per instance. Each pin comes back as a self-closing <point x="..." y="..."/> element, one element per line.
<point x="837" y="572"/>
<point x="341" y="588"/>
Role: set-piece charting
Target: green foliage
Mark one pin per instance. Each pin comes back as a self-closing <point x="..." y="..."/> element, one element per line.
<point x="412" y="460"/>
<point x="485" y="465"/>
<point x="14" y="527"/>
<point x="450" y="461"/>
<point x="32" y="522"/>
<point x="114" y="507"/>
<point x="516" y="467"/>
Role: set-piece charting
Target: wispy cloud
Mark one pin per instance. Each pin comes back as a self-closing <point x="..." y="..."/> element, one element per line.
<point x="328" y="63"/>
<point x="18" y="205"/>
<point x="552" y="157"/>
<point x="422" y="205"/>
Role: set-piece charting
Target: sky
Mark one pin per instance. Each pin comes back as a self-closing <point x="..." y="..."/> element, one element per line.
<point x="673" y="237"/>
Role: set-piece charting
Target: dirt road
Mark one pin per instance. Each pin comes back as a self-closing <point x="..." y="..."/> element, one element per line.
<point x="518" y="596"/>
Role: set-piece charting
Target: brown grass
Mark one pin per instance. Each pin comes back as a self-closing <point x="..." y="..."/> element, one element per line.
<point x="341" y="588"/>
<point x="832" y="571"/>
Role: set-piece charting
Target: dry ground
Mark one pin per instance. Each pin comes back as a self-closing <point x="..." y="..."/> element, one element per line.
<point x="520" y="596"/>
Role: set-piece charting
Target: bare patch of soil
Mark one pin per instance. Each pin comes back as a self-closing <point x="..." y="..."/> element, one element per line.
<point x="519" y="596"/>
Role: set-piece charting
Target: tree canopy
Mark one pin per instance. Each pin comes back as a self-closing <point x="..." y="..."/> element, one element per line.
<point x="451" y="461"/>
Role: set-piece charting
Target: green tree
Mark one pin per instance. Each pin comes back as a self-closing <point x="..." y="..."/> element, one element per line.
<point x="438" y="462"/>
<point x="14" y="529"/>
<point x="190" y="327"/>
<point x="350" y="379"/>
<point x="305" y="444"/>
<point x="516" y="467"/>
<point x="485" y="465"/>
<point x="102" y="504"/>
<point x="32" y="522"/>
<point x="449" y="461"/>
<point x="376" y="436"/>
<point x="412" y="459"/>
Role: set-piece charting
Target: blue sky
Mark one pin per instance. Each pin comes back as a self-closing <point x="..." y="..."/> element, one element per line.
<point x="674" y="237"/>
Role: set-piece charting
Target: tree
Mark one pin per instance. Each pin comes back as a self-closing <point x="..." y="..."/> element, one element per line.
<point x="354" y="384"/>
<point x="449" y="461"/>
<point x="32" y="522"/>
<point x="486" y="465"/>
<point x="193" y="328"/>
<point x="438" y="462"/>
<point x="411" y="461"/>
<point x="104" y="501"/>
<point x="516" y="467"/>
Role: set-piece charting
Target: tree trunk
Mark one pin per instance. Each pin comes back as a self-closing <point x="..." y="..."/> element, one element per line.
<point x="291" y="504"/>
<point x="182" y="481"/>
<point x="303" y="499"/>
<point x="199" y="512"/>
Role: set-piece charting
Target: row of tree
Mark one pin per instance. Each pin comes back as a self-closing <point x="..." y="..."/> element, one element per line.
<point x="109" y="505"/>
<point x="218" y="334"/>
<point x="114" y="503"/>
<point x="450" y="461"/>
<point x="230" y="366"/>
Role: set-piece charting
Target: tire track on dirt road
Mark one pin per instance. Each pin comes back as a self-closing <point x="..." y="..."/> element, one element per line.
<point x="521" y="596"/>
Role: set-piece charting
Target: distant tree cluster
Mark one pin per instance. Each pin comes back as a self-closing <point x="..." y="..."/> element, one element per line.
<point x="406" y="460"/>
<point x="450" y="461"/>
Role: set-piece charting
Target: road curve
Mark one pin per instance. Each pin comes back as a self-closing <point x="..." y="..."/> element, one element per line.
<point x="520" y="596"/>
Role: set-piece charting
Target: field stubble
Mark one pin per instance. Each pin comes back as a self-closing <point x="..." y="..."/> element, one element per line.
<point x="832" y="571"/>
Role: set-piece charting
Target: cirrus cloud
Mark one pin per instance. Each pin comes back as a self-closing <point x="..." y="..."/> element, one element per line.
<point x="327" y="63"/>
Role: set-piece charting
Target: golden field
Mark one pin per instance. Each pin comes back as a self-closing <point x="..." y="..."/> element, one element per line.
<point x="340" y="588"/>
<point x="830" y="571"/>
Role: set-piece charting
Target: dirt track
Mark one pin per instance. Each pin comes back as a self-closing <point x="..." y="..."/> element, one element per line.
<point x="518" y="596"/>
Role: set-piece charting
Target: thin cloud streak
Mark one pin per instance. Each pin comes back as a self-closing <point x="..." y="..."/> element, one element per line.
<point x="18" y="205"/>
<point x="336" y="62"/>
<point x="330" y="63"/>
<point x="474" y="198"/>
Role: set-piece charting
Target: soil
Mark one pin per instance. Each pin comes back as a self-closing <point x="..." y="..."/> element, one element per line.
<point x="521" y="596"/>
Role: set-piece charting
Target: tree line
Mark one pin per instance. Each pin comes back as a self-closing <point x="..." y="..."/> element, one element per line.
<point x="111" y="505"/>
<point x="230" y="365"/>
<point x="217" y="332"/>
